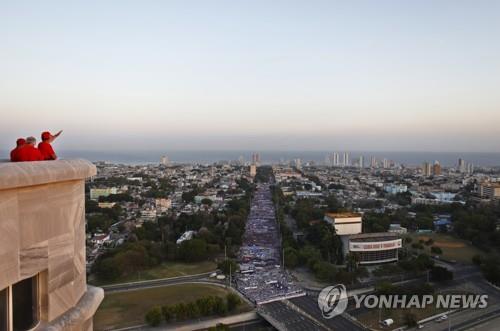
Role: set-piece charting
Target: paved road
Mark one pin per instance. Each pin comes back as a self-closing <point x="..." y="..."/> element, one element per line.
<point x="249" y="318"/>
<point x="161" y="282"/>
<point x="284" y="318"/>
<point x="338" y="323"/>
<point x="475" y="321"/>
<point x="467" y="319"/>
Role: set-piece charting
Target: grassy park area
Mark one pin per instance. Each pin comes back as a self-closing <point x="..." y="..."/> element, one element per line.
<point x="453" y="248"/>
<point x="165" y="270"/>
<point x="124" y="309"/>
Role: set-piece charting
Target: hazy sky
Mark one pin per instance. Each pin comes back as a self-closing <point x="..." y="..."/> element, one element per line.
<point x="360" y="75"/>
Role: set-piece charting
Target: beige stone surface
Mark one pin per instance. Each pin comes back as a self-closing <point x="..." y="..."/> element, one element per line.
<point x="34" y="259"/>
<point x="42" y="231"/>
<point x="9" y="232"/>
<point x="78" y="318"/>
<point x="19" y="174"/>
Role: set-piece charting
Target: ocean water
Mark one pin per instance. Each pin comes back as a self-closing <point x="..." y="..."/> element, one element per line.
<point x="209" y="156"/>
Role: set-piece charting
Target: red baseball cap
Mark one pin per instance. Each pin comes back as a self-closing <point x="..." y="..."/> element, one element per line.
<point x="46" y="135"/>
<point x="20" y="141"/>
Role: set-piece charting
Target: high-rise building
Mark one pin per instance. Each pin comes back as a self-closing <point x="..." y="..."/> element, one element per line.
<point x="470" y="168"/>
<point x="361" y="162"/>
<point x="164" y="160"/>
<point x="461" y="165"/>
<point x="385" y="163"/>
<point x="373" y="162"/>
<point x="345" y="160"/>
<point x="436" y="169"/>
<point x="298" y="163"/>
<point x="427" y="169"/>
<point x="256" y="158"/>
<point x="336" y="159"/>
<point x="253" y="170"/>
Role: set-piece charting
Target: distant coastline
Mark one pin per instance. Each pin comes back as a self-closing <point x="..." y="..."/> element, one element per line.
<point x="447" y="159"/>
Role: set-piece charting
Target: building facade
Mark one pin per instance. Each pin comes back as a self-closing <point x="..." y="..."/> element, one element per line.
<point x="368" y="248"/>
<point x="374" y="248"/>
<point x="42" y="247"/>
<point x="490" y="191"/>
<point x="95" y="193"/>
<point x="253" y="170"/>
<point x="345" y="223"/>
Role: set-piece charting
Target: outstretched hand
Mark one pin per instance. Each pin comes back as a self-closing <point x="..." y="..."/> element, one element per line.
<point x="57" y="134"/>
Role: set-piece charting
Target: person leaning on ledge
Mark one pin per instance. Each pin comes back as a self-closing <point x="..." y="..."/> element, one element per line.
<point x="45" y="146"/>
<point x="14" y="154"/>
<point x="29" y="152"/>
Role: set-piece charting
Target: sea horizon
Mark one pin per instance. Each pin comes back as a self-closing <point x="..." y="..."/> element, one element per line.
<point x="447" y="159"/>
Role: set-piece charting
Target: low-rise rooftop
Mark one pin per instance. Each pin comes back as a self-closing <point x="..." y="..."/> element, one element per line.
<point x="378" y="236"/>
<point x="343" y="215"/>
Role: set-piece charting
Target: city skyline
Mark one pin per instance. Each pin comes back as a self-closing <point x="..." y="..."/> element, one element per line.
<point x="385" y="76"/>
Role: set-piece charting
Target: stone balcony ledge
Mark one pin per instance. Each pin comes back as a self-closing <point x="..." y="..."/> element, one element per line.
<point x="79" y="314"/>
<point x="42" y="236"/>
<point x="22" y="174"/>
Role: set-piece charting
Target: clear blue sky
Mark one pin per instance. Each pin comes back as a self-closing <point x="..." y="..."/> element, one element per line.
<point x="361" y="75"/>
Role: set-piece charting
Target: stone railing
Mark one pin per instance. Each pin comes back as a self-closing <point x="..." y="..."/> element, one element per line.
<point x="42" y="235"/>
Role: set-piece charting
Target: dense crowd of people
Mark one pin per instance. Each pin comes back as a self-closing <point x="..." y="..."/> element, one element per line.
<point x="26" y="149"/>
<point x="262" y="278"/>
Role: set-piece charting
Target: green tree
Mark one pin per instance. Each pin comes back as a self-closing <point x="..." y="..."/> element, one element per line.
<point x="207" y="202"/>
<point x="98" y="222"/>
<point x="106" y="269"/>
<point x="291" y="257"/>
<point x="153" y="316"/>
<point x="168" y="313"/>
<point x="436" y="250"/>
<point x="189" y="196"/>
<point x="491" y="269"/>
<point x="233" y="301"/>
<point x="206" y="305"/>
<point x="227" y="266"/>
<point x="181" y="312"/>
<point x="333" y="204"/>
<point x="192" y="310"/>
<point x="324" y="271"/>
<point x="385" y="288"/>
<point x="193" y="250"/>
<point x="477" y="260"/>
<point x="220" y="306"/>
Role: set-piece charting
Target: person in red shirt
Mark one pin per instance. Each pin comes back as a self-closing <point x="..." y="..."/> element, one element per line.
<point x="45" y="146"/>
<point x="29" y="152"/>
<point x="14" y="154"/>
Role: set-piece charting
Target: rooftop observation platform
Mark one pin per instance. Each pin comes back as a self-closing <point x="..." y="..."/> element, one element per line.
<point x="42" y="244"/>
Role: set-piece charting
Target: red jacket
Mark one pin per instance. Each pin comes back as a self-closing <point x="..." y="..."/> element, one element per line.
<point x="29" y="153"/>
<point x="47" y="151"/>
<point x="14" y="154"/>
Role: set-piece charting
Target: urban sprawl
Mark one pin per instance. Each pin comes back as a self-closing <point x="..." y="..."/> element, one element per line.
<point x="278" y="233"/>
